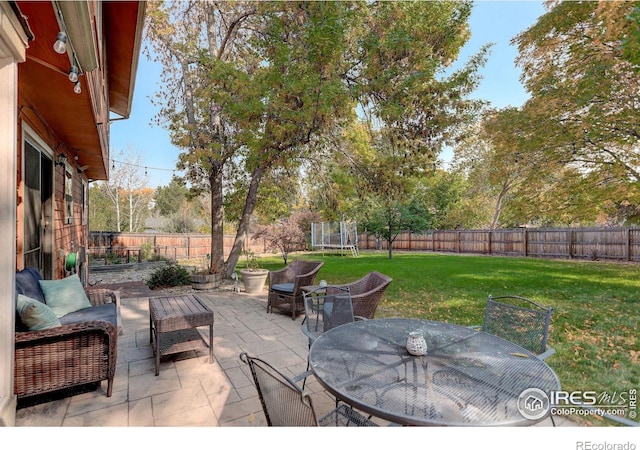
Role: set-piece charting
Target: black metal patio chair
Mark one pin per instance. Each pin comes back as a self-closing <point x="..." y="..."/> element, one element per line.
<point x="521" y="321"/>
<point x="323" y="311"/>
<point x="285" y="404"/>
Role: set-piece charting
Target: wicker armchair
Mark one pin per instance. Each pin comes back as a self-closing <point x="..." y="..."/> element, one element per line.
<point x="285" y="286"/>
<point x="366" y="293"/>
<point x="70" y="355"/>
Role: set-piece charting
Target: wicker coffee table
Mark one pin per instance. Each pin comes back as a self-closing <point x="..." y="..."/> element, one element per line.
<point x="173" y="322"/>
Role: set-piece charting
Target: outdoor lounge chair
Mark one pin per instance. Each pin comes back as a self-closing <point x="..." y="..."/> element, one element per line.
<point x="521" y="321"/>
<point x="285" y="404"/>
<point x="285" y="286"/>
<point x="366" y="293"/>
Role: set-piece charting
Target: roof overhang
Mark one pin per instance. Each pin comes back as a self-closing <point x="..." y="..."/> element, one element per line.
<point x="123" y="51"/>
<point x="107" y="43"/>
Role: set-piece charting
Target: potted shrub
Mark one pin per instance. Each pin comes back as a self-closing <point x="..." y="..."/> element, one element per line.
<point x="253" y="276"/>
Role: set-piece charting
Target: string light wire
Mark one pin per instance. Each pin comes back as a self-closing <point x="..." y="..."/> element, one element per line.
<point x="140" y="166"/>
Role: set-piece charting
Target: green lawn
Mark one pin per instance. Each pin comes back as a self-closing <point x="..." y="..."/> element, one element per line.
<point x="594" y="327"/>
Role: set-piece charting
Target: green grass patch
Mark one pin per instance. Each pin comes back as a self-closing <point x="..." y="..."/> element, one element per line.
<point x="594" y="326"/>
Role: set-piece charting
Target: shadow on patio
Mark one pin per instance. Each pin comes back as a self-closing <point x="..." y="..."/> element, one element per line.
<point x="189" y="391"/>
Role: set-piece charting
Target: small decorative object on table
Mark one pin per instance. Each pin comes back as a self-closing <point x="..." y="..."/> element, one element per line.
<point x="416" y="345"/>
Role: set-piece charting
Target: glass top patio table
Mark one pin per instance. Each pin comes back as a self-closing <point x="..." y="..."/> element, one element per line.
<point x="467" y="377"/>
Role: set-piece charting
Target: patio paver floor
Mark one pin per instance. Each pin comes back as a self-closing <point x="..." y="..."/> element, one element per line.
<point x="189" y="391"/>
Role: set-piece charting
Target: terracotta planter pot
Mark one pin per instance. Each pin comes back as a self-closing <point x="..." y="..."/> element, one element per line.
<point x="205" y="281"/>
<point x="254" y="280"/>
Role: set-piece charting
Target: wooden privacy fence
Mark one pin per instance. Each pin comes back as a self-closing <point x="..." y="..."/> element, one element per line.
<point x="166" y="245"/>
<point x="622" y="244"/>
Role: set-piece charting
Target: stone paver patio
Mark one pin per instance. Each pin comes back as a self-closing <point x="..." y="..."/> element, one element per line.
<point x="189" y="391"/>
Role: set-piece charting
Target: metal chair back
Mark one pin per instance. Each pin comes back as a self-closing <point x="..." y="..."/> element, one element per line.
<point x="324" y="311"/>
<point x="519" y="320"/>
<point x="283" y="402"/>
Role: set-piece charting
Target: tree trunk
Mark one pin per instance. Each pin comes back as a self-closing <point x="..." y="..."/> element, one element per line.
<point x="243" y="225"/>
<point x="217" y="221"/>
<point x="130" y="211"/>
<point x="498" y="207"/>
<point x="117" y="202"/>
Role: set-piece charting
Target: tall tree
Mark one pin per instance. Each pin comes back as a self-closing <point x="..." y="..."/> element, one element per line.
<point x="583" y="111"/>
<point x="441" y="195"/>
<point x="139" y="201"/>
<point x="101" y="211"/>
<point x="126" y="190"/>
<point x="180" y="33"/>
<point x="170" y="198"/>
<point x="250" y="84"/>
<point x="413" y="104"/>
<point x="403" y="82"/>
<point x="490" y="179"/>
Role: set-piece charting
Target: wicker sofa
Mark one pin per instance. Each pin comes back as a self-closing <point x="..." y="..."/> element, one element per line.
<point x="81" y="351"/>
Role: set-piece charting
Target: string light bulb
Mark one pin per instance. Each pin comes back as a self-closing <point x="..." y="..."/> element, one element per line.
<point x="77" y="88"/>
<point x="73" y="74"/>
<point x="60" y="46"/>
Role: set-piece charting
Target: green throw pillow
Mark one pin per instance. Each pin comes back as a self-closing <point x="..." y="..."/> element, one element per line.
<point x="64" y="296"/>
<point x="35" y="315"/>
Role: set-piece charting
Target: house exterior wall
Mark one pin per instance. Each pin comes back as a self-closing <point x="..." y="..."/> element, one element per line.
<point x="37" y="103"/>
<point x="68" y="237"/>
<point x="13" y="42"/>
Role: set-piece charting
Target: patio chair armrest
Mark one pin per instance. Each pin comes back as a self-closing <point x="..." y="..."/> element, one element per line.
<point x="548" y="352"/>
<point x="103" y="296"/>
<point x="312" y="337"/>
<point x="302" y="376"/>
<point x="70" y="331"/>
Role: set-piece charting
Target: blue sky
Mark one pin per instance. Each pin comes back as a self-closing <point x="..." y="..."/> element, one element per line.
<point x="491" y="21"/>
